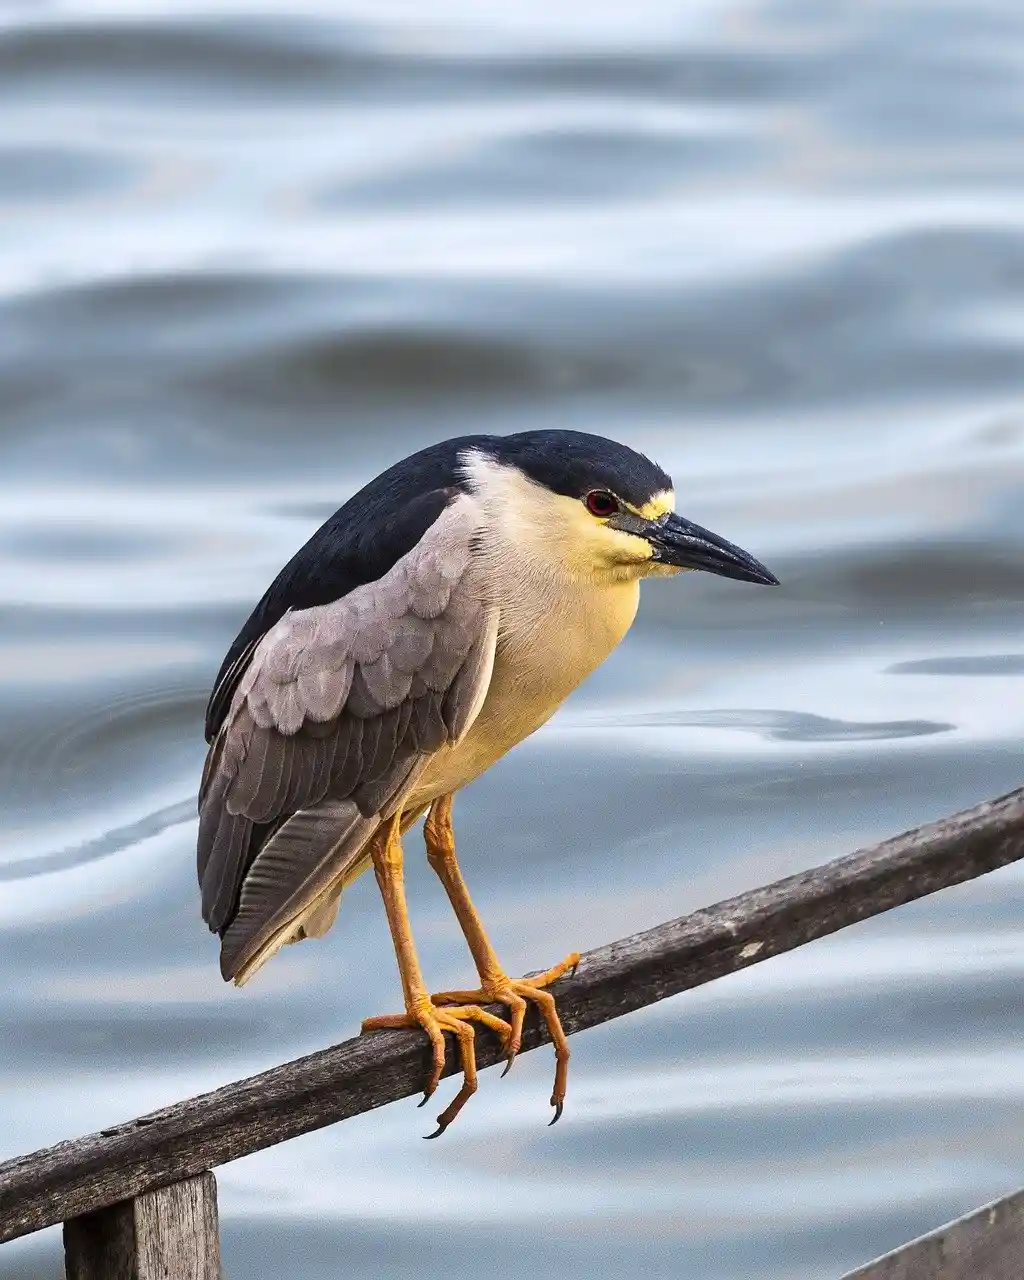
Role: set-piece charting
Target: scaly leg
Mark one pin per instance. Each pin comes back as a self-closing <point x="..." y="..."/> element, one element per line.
<point x="419" y="1009"/>
<point x="495" y="985"/>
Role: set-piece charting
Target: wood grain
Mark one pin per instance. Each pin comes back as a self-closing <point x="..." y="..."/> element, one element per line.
<point x="183" y="1140"/>
<point x="167" y="1234"/>
<point x="987" y="1244"/>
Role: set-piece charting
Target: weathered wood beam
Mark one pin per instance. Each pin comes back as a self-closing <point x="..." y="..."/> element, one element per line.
<point x="167" y="1234"/>
<point x="181" y="1141"/>
<point x="987" y="1244"/>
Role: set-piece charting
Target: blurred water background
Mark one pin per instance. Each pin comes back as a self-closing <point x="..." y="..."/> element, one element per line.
<point x="249" y="254"/>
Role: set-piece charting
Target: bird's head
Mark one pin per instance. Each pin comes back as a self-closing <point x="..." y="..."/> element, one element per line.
<point x="595" y="510"/>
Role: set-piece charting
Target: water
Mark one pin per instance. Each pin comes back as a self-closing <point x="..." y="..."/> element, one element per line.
<point x="249" y="254"/>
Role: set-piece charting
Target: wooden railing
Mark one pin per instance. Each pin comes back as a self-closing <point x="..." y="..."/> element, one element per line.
<point x="138" y="1200"/>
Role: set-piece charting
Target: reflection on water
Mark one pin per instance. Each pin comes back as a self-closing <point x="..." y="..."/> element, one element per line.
<point x="252" y="253"/>
<point x="786" y="726"/>
<point x="984" y="664"/>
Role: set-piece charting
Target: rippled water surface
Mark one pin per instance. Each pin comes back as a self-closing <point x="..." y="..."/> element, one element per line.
<point x="249" y="254"/>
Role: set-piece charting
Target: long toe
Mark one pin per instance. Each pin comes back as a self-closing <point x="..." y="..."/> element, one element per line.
<point x="516" y="994"/>
<point x="545" y="1003"/>
<point x="458" y="1020"/>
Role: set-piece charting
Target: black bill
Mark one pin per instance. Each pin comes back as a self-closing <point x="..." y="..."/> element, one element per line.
<point x="689" y="546"/>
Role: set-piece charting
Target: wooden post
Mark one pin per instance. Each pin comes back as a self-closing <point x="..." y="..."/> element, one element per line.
<point x="987" y="1244"/>
<point x="167" y="1234"/>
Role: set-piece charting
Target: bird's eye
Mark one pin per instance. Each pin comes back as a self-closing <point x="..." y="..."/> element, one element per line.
<point x="601" y="503"/>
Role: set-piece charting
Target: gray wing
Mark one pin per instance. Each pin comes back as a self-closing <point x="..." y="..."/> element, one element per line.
<point x="342" y="705"/>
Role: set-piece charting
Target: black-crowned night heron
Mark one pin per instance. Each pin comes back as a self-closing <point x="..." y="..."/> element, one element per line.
<point x="437" y="619"/>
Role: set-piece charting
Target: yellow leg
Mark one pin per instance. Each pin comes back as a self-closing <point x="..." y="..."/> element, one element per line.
<point x="419" y="1009"/>
<point x="495" y="985"/>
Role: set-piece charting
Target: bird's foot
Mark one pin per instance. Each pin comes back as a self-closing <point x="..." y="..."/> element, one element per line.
<point x="458" y="1019"/>
<point x="516" y="993"/>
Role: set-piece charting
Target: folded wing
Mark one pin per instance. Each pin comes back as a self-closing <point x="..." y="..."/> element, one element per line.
<point x="338" y="710"/>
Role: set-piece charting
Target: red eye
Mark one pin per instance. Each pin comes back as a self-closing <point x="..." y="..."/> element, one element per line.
<point x="601" y="503"/>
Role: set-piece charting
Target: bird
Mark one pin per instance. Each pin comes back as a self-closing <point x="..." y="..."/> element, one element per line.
<point x="437" y="619"/>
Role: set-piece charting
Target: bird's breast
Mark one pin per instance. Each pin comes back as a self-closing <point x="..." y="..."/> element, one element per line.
<point x="539" y="661"/>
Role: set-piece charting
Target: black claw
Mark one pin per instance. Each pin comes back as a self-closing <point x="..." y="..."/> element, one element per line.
<point x="508" y="1066"/>
<point x="558" y="1112"/>
<point x="429" y="1137"/>
<point x="426" y="1099"/>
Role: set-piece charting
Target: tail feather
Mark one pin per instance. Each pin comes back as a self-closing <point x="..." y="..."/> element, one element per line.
<point x="297" y="878"/>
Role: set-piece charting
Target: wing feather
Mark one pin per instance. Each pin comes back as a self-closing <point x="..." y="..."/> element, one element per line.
<point x="220" y="699"/>
<point x="464" y="696"/>
<point x="348" y="767"/>
<point x="368" y="744"/>
<point x="360" y="699"/>
<point x="340" y="706"/>
<point x="385" y="744"/>
<point x="301" y="847"/>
